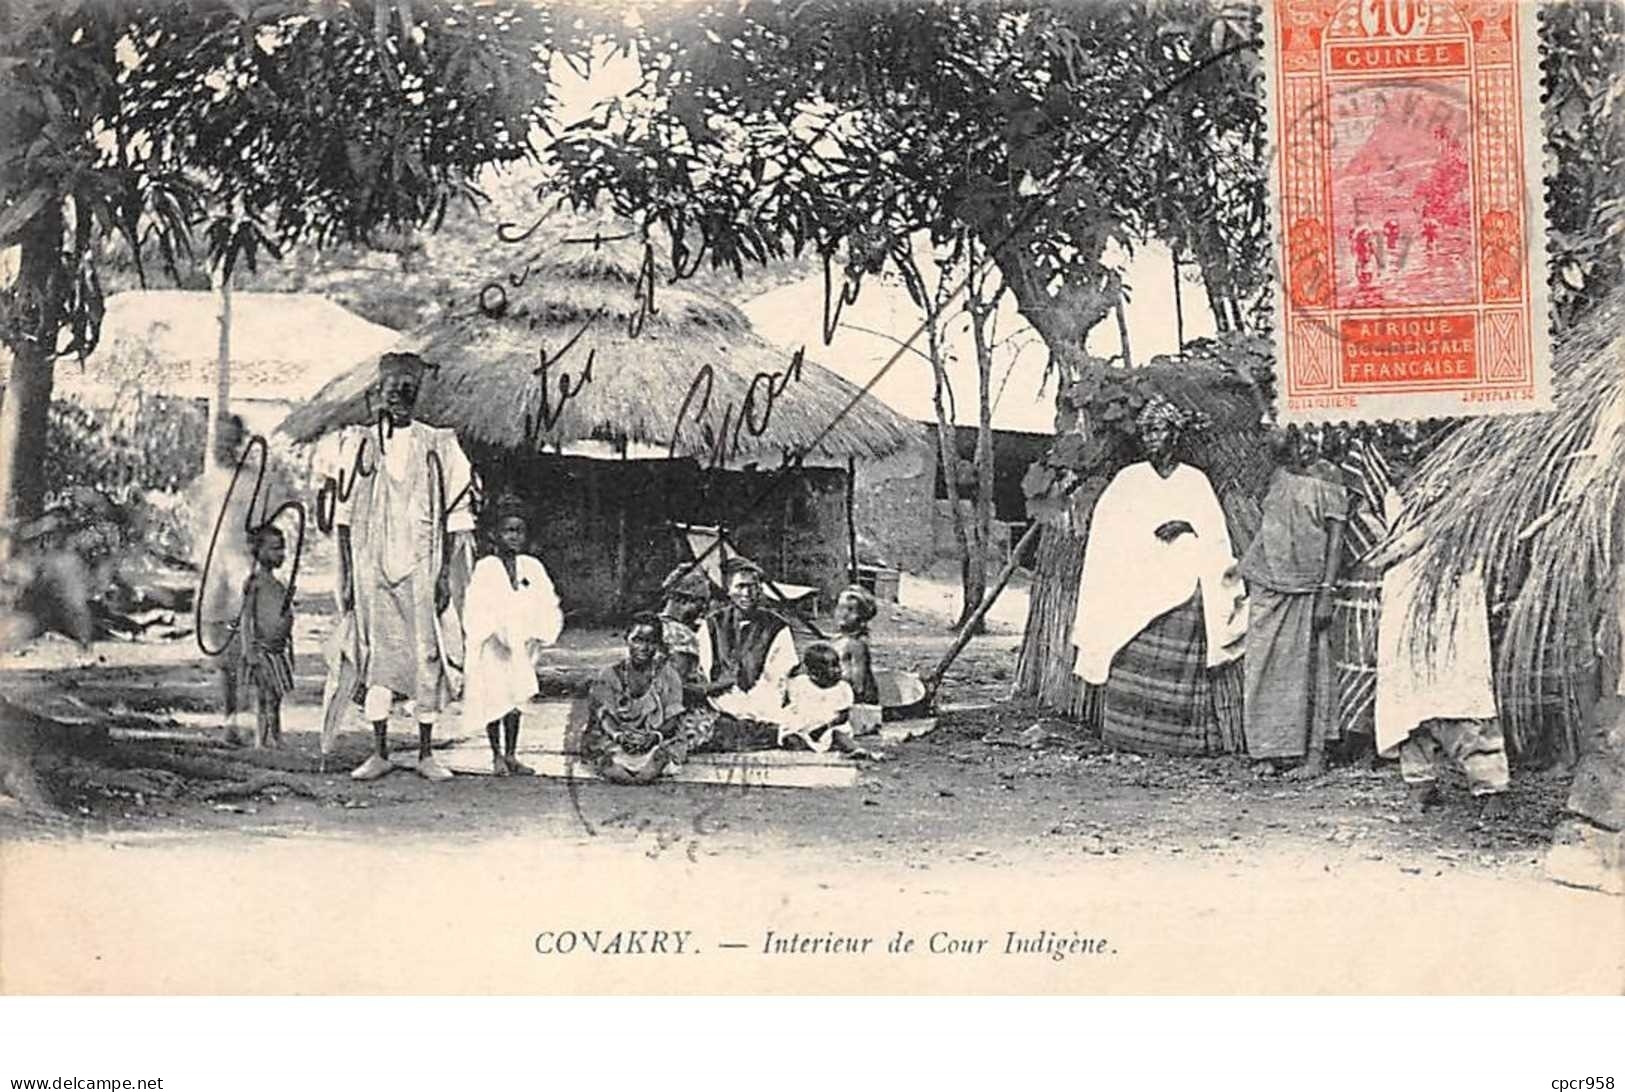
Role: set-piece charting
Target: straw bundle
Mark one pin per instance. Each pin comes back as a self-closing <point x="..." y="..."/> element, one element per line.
<point x="1537" y="500"/>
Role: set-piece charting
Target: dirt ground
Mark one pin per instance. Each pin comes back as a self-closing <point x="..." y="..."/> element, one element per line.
<point x="997" y="789"/>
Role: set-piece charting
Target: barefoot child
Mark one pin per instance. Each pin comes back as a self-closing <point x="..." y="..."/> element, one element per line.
<point x="512" y="609"/>
<point x="854" y="609"/>
<point x="817" y="701"/>
<point x="266" y="634"/>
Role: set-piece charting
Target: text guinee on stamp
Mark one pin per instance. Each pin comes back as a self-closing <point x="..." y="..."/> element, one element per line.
<point x="1407" y="197"/>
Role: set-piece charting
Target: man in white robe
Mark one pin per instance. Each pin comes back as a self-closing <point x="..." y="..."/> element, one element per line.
<point x="407" y="516"/>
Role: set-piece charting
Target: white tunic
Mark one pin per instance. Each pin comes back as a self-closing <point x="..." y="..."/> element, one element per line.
<point x="1452" y="679"/>
<point x="1131" y="577"/>
<point x="502" y="622"/>
<point x="396" y="509"/>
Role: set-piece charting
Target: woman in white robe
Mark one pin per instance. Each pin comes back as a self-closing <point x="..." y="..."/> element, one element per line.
<point x="1161" y="612"/>
<point x="512" y="611"/>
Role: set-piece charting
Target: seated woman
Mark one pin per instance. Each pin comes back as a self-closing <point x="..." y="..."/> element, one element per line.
<point x="854" y="609"/>
<point x="637" y="726"/>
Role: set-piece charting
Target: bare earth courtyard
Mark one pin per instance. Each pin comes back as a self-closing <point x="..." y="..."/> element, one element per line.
<point x="1001" y="835"/>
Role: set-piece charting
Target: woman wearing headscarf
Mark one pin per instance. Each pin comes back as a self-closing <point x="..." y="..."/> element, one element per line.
<point x="1160" y="619"/>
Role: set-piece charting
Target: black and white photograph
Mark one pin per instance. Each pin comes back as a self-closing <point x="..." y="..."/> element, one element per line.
<point x="741" y="497"/>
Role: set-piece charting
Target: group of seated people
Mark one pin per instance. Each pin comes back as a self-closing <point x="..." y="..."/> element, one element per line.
<point x="729" y="679"/>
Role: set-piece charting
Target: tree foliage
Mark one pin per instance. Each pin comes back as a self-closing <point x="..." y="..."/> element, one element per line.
<point x="845" y="130"/>
<point x="1585" y="128"/>
<point x="245" y="126"/>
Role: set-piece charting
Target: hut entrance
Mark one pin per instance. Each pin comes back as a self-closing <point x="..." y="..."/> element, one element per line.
<point x="608" y="529"/>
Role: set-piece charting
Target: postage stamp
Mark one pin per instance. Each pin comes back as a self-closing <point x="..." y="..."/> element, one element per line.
<point x="1408" y="207"/>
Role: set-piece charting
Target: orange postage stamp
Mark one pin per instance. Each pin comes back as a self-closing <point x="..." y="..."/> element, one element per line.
<point x="1407" y="192"/>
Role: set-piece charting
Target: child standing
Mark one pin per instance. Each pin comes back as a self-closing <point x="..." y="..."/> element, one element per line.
<point x="266" y="632"/>
<point x="854" y="609"/>
<point x="512" y="609"/>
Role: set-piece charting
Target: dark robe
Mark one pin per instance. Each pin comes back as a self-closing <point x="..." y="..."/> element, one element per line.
<point x="741" y="642"/>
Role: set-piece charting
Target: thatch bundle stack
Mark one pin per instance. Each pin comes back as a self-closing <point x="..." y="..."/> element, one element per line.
<point x="1539" y="502"/>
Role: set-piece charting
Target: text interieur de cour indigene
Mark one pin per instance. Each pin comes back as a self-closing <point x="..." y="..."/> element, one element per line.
<point x="1056" y="944"/>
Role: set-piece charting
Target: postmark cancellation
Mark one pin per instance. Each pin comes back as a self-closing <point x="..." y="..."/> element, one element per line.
<point x="1406" y="192"/>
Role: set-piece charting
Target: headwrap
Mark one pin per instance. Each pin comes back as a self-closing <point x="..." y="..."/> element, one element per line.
<point x="1159" y="411"/>
<point x="687" y="580"/>
<point x="648" y="620"/>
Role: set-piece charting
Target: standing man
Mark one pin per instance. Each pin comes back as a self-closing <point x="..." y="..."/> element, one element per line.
<point x="407" y="517"/>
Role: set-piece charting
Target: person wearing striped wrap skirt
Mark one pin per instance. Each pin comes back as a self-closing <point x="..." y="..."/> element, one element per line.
<point x="1158" y="629"/>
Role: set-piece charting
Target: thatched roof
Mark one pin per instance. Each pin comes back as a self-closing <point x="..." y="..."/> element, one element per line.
<point x="1539" y="501"/>
<point x="284" y="345"/>
<point x="485" y="385"/>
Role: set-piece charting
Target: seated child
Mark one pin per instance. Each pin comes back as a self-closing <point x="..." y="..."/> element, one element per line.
<point x="511" y="611"/>
<point x="637" y="727"/>
<point x="816" y="703"/>
<point x="265" y="634"/>
<point x="854" y="609"/>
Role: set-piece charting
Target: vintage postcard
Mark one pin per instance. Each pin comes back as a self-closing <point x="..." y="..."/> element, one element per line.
<point x="785" y="498"/>
<point x="1409" y="200"/>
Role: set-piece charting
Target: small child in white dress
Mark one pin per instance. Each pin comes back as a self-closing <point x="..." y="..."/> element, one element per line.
<point x="817" y="701"/>
<point x="512" y="611"/>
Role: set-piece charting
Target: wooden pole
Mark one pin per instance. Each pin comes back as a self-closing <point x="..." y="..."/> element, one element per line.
<point x="852" y="519"/>
<point x="1179" y="307"/>
<point x="620" y="537"/>
<point x="933" y="678"/>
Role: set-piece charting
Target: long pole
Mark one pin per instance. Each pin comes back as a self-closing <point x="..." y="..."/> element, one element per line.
<point x="933" y="678"/>
<point x="852" y="519"/>
<point x="1179" y="307"/>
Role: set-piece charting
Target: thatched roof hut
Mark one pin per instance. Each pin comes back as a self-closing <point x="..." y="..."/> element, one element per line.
<point x="582" y="290"/>
<point x="1539" y="501"/>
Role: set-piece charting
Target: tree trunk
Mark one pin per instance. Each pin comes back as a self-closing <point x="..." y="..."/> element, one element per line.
<point x="948" y="456"/>
<point x="1062" y="317"/>
<point x="26" y="409"/>
<point x="1044" y="669"/>
<point x="1122" y="333"/>
<point x="221" y="410"/>
<point x="978" y="561"/>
